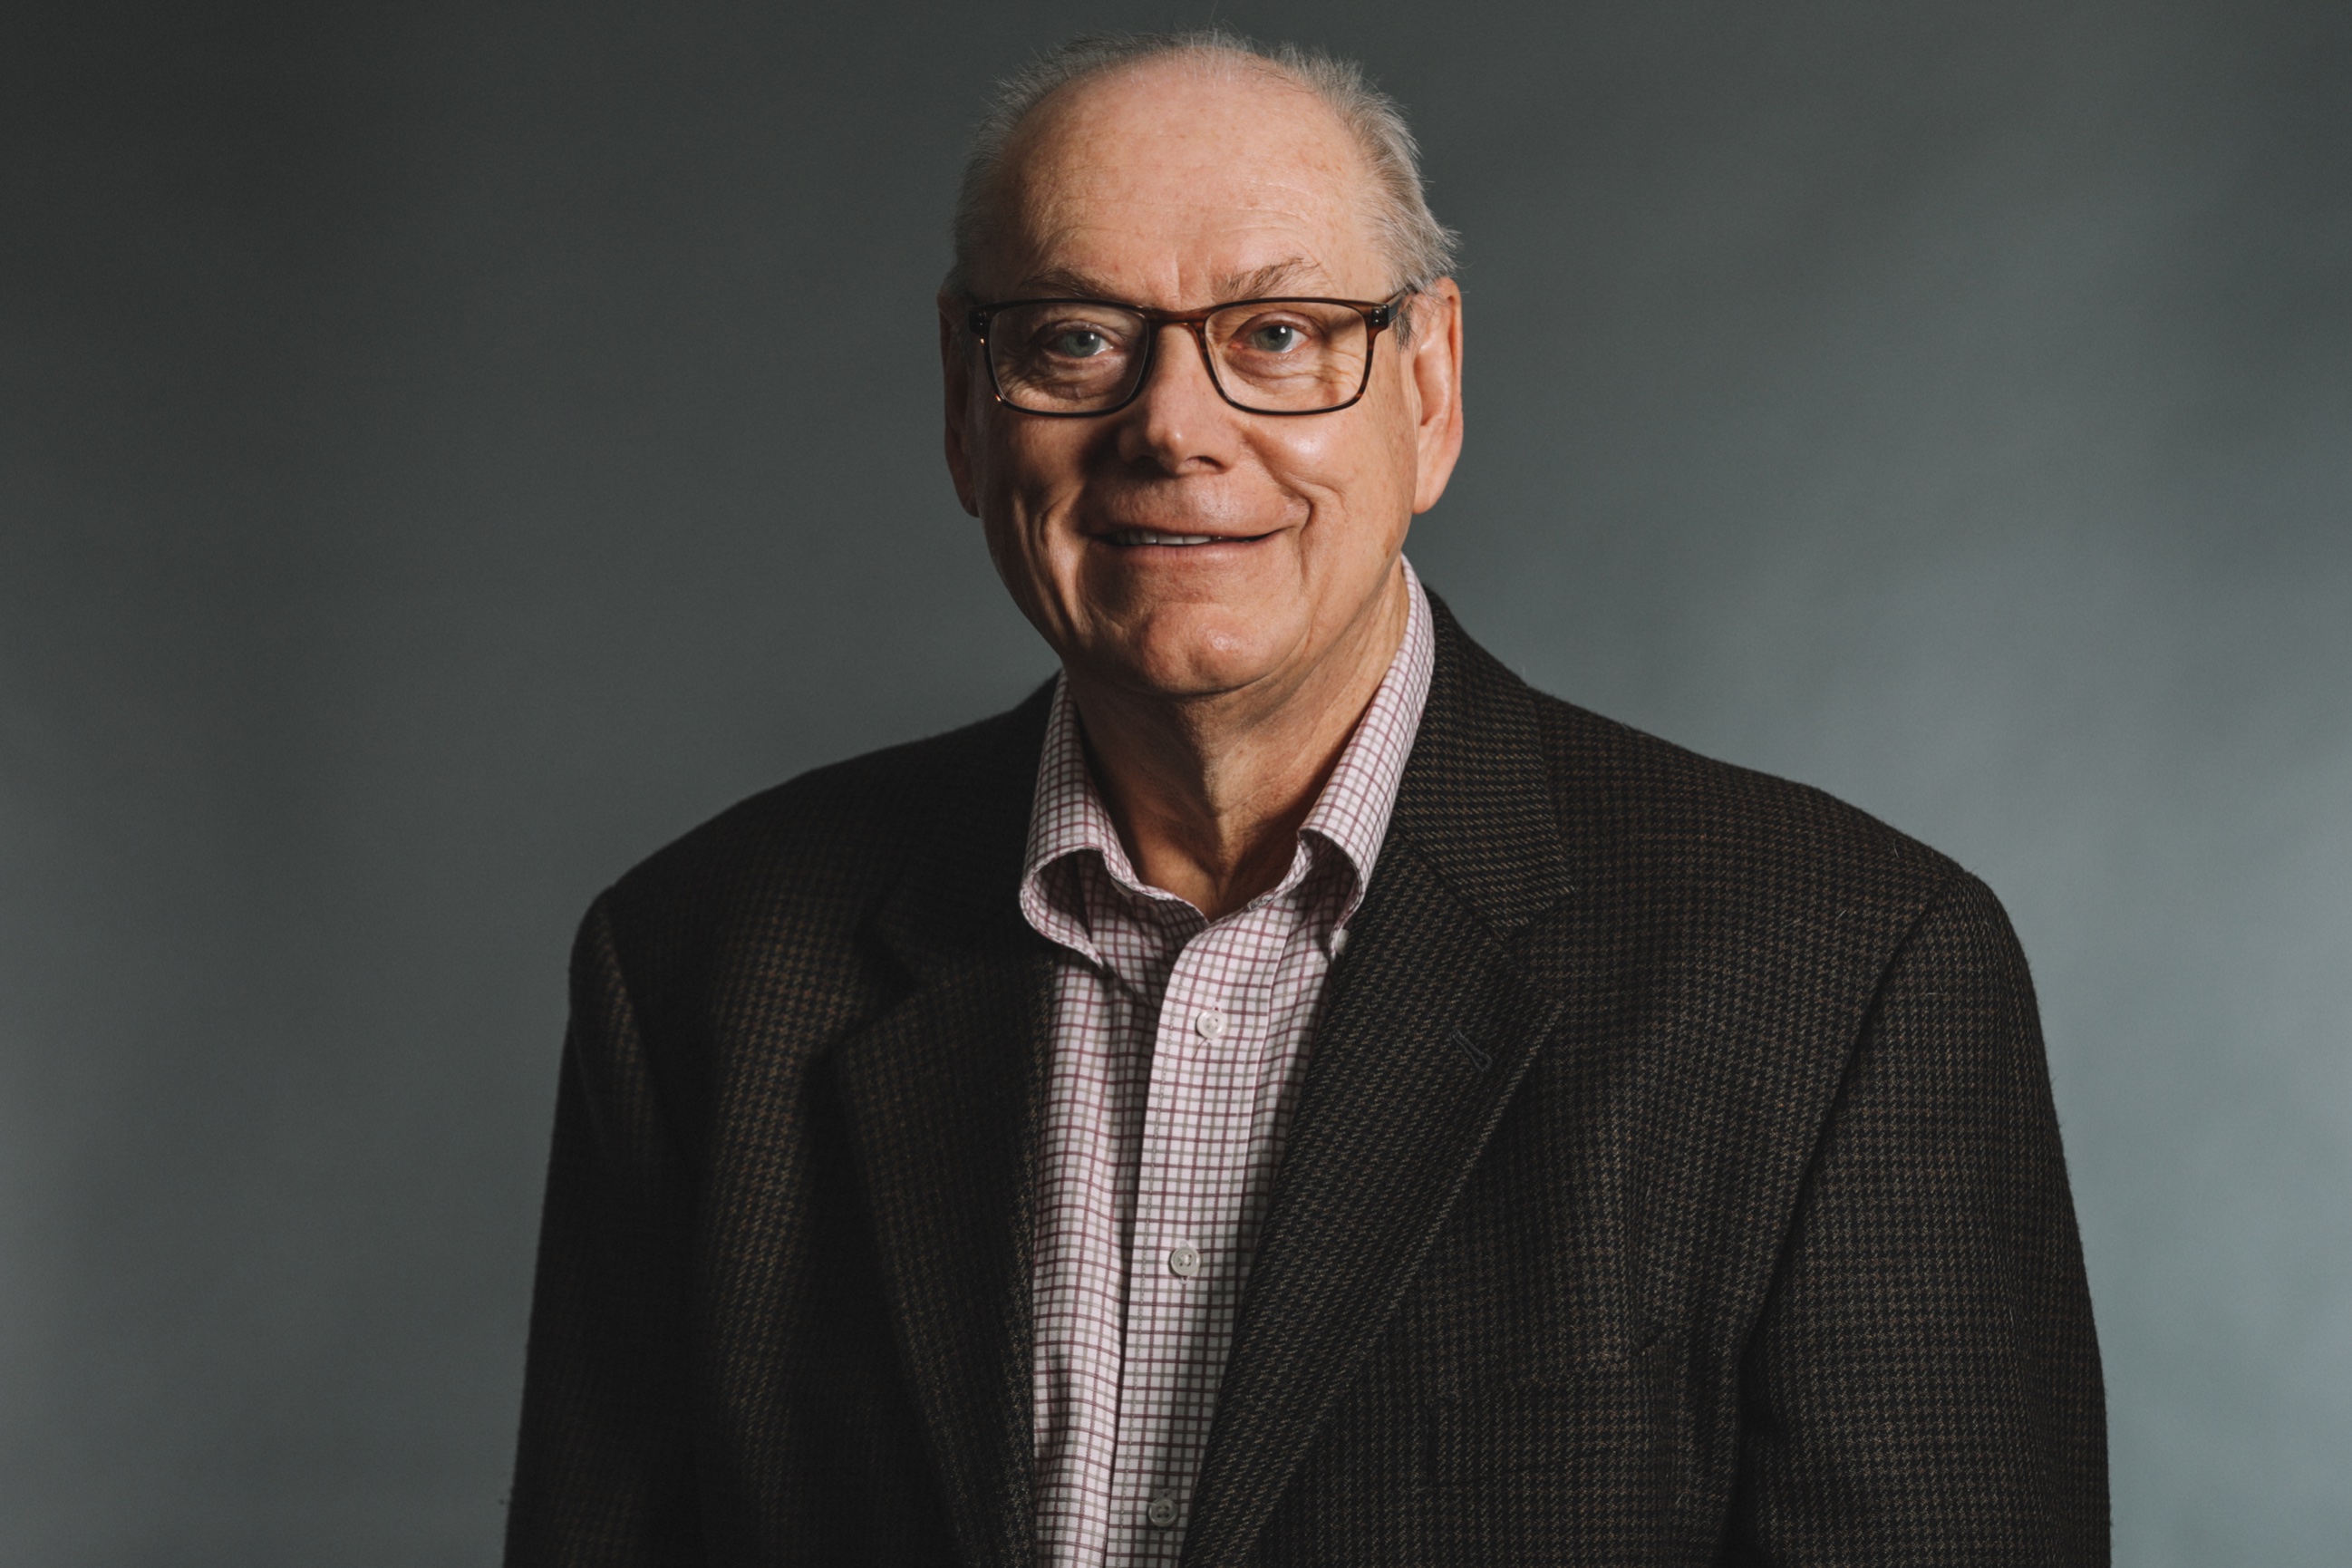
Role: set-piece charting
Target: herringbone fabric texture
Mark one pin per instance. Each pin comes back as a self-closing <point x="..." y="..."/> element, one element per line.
<point x="1674" y="1181"/>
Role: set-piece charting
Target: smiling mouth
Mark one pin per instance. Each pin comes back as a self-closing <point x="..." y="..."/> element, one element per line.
<point x="1148" y="536"/>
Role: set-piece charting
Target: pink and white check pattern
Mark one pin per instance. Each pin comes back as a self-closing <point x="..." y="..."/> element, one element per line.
<point x="1179" y="1046"/>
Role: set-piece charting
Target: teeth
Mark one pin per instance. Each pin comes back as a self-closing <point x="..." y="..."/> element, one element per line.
<point x="1144" y="536"/>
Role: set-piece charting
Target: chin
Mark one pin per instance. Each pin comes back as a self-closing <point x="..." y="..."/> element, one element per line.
<point x="1201" y="650"/>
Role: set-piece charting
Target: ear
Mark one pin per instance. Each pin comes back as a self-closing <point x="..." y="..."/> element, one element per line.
<point x="955" y="367"/>
<point x="1434" y="367"/>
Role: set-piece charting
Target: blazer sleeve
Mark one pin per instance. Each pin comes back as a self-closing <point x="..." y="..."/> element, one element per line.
<point x="1923" y="1385"/>
<point x="601" y="1475"/>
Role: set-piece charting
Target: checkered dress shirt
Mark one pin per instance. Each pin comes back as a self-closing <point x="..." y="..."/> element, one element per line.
<point x="1179" y="1045"/>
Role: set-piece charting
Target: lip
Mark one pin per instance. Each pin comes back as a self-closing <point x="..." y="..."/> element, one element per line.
<point x="1168" y="539"/>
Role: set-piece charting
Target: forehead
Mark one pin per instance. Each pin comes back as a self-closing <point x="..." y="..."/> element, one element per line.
<point x="1173" y="177"/>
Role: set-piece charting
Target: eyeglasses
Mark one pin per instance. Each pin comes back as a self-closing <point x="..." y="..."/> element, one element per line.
<point x="1069" y="359"/>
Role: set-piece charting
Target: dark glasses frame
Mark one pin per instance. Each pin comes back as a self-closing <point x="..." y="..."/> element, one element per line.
<point x="1379" y="316"/>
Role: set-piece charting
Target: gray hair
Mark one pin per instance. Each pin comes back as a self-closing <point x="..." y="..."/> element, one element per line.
<point x="1419" y="247"/>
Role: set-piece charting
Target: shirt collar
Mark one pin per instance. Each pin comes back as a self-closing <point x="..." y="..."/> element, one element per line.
<point x="1067" y="817"/>
<point x="1352" y="813"/>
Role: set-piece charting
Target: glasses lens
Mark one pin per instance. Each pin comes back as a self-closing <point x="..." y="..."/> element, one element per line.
<point x="1065" y="356"/>
<point x="1290" y="357"/>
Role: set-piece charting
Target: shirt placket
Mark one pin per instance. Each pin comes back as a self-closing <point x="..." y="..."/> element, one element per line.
<point x="1182" y="1280"/>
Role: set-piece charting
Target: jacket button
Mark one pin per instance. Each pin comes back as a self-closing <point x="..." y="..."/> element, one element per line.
<point x="1161" y="1511"/>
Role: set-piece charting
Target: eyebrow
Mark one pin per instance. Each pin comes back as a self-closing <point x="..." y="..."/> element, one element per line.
<point x="1266" y="280"/>
<point x="1064" y="282"/>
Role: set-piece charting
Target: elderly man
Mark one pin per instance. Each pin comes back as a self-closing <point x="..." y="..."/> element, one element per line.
<point x="1287" y="1092"/>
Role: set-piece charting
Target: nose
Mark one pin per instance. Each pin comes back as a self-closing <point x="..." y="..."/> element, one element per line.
<point x="1178" y="422"/>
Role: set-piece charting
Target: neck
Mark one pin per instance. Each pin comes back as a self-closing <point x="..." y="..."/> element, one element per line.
<point x="1209" y="792"/>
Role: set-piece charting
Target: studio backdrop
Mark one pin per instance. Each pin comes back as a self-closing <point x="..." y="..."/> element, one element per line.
<point x="447" y="450"/>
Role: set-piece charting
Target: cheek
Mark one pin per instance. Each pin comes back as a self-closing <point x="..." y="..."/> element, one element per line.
<point x="1034" y="465"/>
<point x="1361" y="457"/>
<point x="1028" y="490"/>
<point x="1353" y="471"/>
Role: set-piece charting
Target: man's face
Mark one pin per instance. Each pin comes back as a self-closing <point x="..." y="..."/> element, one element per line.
<point x="1173" y="186"/>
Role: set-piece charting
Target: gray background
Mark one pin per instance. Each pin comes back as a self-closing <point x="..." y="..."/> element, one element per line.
<point x="447" y="450"/>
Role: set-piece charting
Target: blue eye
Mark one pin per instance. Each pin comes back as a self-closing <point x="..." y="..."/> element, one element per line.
<point x="1079" y="343"/>
<point x="1277" y="337"/>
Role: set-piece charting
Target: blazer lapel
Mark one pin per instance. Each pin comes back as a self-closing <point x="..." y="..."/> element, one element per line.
<point x="1431" y="1024"/>
<point x="941" y="1097"/>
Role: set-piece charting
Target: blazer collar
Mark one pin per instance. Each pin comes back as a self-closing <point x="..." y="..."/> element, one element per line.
<point x="1475" y="801"/>
<point x="957" y="896"/>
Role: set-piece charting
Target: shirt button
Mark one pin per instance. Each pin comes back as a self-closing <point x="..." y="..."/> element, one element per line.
<point x="1210" y="1022"/>
<point x="1184" y="1262"/>
<point x="1339" y="941"/>
<point x="1161" y="1511"/>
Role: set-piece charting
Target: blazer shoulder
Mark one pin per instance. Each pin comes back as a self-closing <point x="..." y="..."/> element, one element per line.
<point x="823" y="848"/>
<point x="1720" y="832"/>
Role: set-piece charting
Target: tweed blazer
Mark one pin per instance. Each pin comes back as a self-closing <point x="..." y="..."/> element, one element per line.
<point x="1676" y="1181"/>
